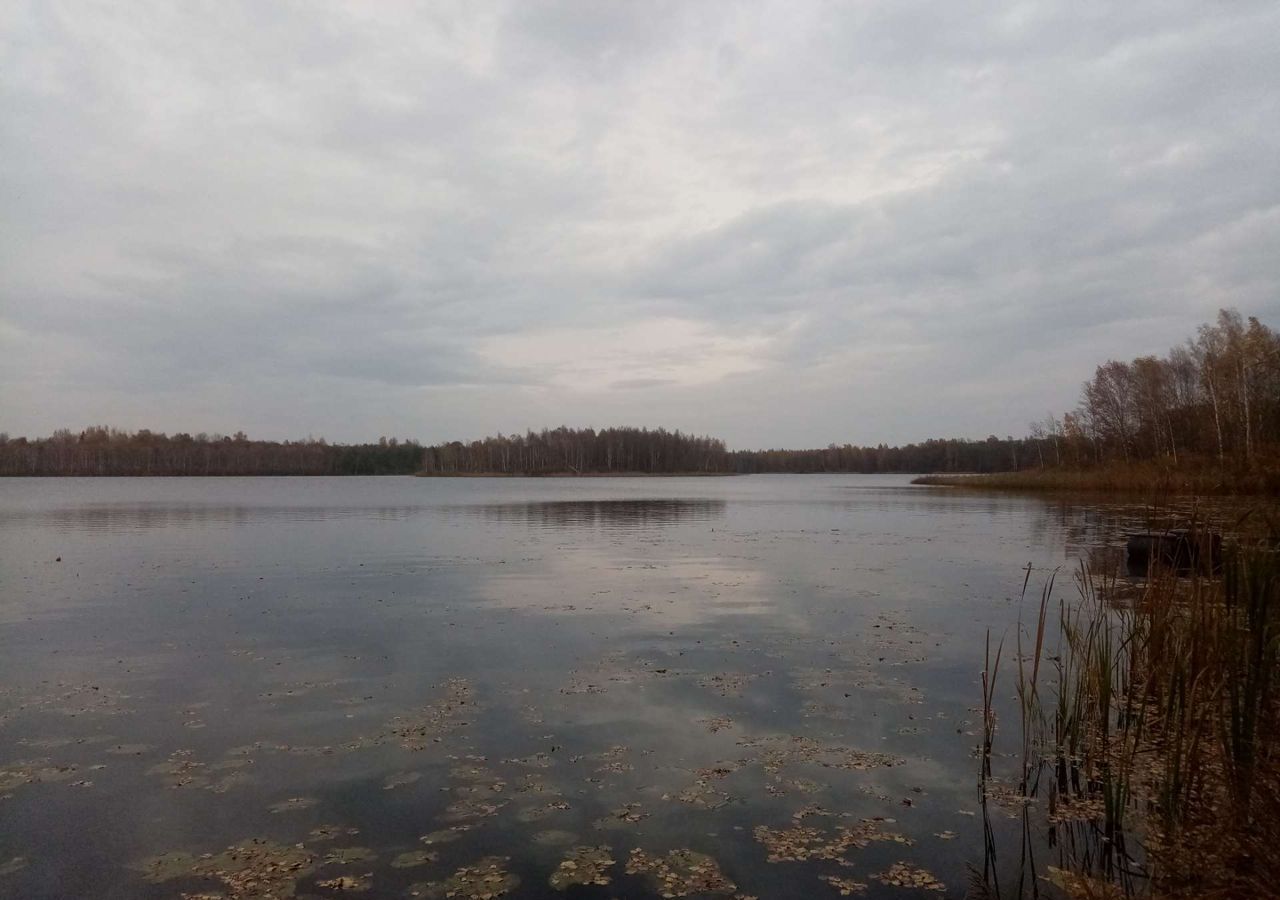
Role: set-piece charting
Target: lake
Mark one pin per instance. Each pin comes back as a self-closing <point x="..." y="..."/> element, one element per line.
<point x="394" y="687"/>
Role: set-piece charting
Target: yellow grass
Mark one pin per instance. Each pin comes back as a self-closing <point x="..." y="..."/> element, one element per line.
<point x="1141" y="478"/>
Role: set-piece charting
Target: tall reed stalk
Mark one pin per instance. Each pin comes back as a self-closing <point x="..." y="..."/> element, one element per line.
<point x="1165" y="724"/>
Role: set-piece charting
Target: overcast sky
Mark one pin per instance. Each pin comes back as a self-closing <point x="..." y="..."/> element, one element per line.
<point x="785" y="224"/>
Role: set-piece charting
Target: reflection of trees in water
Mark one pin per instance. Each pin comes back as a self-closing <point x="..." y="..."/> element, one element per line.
<point x="1018" y="861"/>
<point x="147" y="516"/>
<point x="601" y="513"/>
<point x="1090" y="531"/>
<point x="1083" y="527"/>
<point x="1097" y="531"/>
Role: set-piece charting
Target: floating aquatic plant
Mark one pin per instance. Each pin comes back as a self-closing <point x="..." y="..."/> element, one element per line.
<point x="583" y="865"/>
<point x="483" y="880"/>
<point x="680" y="873"/>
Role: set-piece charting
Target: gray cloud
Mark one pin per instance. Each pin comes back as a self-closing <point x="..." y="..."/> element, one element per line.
<point x="788" y="224"/>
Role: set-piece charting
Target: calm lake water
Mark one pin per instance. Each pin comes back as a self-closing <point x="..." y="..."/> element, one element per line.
<point x="368" y="685"/>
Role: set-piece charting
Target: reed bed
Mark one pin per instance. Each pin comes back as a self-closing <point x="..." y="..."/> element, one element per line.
<point x="1150" y="729"/>
<point x="1137" y="478"/>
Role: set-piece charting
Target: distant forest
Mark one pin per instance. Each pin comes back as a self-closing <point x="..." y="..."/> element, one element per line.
<point x="1211" y="402"/>
<point x="639" y="450"/>
<point x="108" y="451"/>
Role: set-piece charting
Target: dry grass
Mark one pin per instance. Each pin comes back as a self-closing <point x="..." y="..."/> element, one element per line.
<point x="1147" y="479"/>
<point x="1164" y="724"/>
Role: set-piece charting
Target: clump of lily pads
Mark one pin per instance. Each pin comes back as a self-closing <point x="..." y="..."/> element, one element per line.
<point x="16" y="774"/>
<point x="250" y="870"/>
<point x="716" y="723"/>
<point x="484" y="880"/>
<point x="627" y="814"/>
<point x="702" y="795"/>
<point x="780" y="751"/>
<point x="583" y="865"/>
<point x="330" y="832"/>
<point x="431" y="723"/>
<point x="802" y="843"/>
<point x="727" y="684"/>
<point x="182" y="770"/>
<point x="846" y="886"/>
<point x="614" y="760"/>
<point x="680" y="873"/>
<point x="352" y="884"/>
<point x="902" y="875"/>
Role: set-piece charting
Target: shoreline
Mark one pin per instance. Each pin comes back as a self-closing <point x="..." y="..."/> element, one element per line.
<point x="1114" y="481"/>
<point x="575" y="474"/>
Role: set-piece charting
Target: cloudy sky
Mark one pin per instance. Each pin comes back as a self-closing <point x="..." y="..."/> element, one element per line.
<point x="785" y="224"/>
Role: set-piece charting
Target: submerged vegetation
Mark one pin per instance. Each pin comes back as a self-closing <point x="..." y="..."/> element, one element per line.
<point x="1149" y="737"/>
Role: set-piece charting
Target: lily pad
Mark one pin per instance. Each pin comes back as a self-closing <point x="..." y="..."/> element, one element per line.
<point x="483" y="880"/>
<point x="846" y="886"/>
<point x="902" y="875"/>
<point x="583" y="865"/>
<point x="254" y="868"/>
<point x="352" y="884"/>
<point x="680" y="873"/>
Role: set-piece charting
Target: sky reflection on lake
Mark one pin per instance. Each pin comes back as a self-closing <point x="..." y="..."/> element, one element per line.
<point x="524" y="666"/>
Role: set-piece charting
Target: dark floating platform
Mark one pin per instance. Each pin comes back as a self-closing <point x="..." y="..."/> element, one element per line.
<point x="1182" y="549"/>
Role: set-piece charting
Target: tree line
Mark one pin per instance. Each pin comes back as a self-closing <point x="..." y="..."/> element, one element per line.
<point x="101" y="450"/>
<point x="992" y="454"/>
<point x="659" y="451"/>
<point x="1212" y="400"/>
<point x="109" y="451"/>
<point x="580" y="451"/>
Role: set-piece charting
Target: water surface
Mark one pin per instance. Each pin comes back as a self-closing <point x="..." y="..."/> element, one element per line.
<point x="511" y="668"/>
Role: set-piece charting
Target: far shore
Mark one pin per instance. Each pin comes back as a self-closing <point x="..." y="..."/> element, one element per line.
<point x="1118" y="479"/>
<point x="574" y="474"/>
